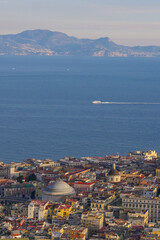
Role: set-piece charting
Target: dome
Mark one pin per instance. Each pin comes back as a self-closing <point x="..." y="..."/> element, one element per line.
<point x="113" y="171"/>
<point x="57" y="190"/>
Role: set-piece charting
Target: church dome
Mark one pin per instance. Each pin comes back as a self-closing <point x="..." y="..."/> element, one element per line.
<point x="113" y="175"/>
<point x="57" y="190"/>
<point x="113" y="171"/>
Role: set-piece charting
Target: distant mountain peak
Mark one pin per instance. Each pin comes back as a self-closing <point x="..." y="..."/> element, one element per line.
<point x="39" y="33"/>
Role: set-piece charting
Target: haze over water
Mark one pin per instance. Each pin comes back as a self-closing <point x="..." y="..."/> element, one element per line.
<point x="46" y="109"/>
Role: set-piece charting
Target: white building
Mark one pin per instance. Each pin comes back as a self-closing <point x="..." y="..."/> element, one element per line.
<point x="36" y="209"/>
<point x="142" y="203"/>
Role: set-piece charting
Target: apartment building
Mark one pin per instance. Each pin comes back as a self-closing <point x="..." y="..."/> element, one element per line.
<point x="36" y="209"/>
<point x="92" y="220"/>
<point x="143" y="203"/>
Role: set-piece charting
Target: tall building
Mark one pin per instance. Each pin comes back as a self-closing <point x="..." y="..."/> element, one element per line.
<point x="36" y="209"/>
<point x="143" y="203"/>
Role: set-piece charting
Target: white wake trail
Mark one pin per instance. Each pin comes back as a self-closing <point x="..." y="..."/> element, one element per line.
<point x="132" y="103"/>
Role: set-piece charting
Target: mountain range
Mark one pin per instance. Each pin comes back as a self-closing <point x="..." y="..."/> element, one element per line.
<point x="45" y="42"/>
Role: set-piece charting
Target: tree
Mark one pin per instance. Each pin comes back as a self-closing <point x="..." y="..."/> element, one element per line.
<point x="33" y="194"/>
<point x="31" y="177"/>
<point x="20" y="179"/>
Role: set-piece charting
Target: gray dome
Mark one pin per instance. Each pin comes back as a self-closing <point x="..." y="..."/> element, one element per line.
<point x="58" y="188"/>
<point x="113" y="171"/>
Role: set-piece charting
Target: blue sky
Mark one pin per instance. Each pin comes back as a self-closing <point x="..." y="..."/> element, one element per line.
<point x="129" y="22"/>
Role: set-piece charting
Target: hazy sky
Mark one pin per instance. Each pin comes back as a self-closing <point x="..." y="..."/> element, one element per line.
<point x="129" y="22"/>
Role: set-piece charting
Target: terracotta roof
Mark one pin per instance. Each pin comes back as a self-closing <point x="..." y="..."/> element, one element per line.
<point x="84" y="183"/>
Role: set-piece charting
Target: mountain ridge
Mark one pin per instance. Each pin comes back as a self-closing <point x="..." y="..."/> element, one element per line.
<point x="53" y="43"/>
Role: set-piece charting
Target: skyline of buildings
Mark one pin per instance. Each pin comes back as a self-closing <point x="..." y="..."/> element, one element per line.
<point x="93" y="198"/>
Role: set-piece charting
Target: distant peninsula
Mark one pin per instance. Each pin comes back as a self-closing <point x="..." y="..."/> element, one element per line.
<point x="45" y="42"/>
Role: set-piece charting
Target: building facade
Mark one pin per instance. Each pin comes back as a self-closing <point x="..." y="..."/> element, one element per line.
<point x="93" y="221"/>
<point x="142" y="203"/>
<point x="22" y="190"/>
<point x="36" y="209"/>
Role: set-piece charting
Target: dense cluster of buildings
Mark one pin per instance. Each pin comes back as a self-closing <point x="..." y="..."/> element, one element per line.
<point x="115" y="197"/>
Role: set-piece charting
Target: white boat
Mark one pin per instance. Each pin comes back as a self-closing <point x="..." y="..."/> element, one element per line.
<point x="96" y="102"/>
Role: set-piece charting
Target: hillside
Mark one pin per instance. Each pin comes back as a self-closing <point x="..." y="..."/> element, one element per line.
<point x="45" y="42"/>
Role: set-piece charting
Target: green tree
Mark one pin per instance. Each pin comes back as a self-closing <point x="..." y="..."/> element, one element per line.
<point x="20" y="179"/>
<point x="33" y="194"/>
<point x="31" y="177"/>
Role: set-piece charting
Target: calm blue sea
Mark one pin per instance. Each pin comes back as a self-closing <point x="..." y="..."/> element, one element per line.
<point x="46" y="109"/>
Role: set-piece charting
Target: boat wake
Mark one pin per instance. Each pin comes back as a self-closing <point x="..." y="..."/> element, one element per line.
<point x="131" y="103"/>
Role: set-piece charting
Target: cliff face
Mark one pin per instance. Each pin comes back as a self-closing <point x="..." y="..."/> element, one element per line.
<point x="44" y="42"/>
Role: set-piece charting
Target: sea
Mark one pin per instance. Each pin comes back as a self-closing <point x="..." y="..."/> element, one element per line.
<point x="46" y="108"/>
